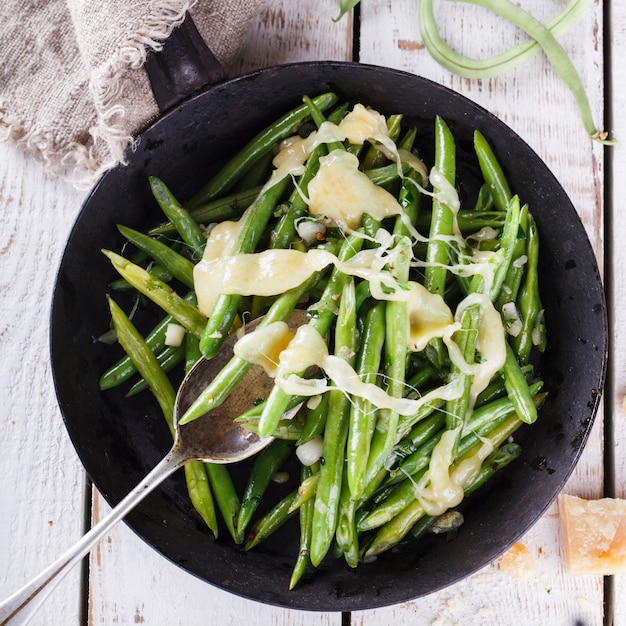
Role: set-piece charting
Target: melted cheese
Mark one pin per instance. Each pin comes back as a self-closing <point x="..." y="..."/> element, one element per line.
<point x="594" y="535"/>
<point x="341" y="192"/>
<point x="264" y="346"/>
<point x="270" y="272"/>
<point x="209" y="271"/>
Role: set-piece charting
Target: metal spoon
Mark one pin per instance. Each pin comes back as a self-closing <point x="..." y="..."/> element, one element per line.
<point x="213" y="438"/>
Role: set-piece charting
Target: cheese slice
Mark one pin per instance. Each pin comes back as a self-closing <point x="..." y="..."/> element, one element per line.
<point x="518" y="562"/>
<point x="594" y="535"/>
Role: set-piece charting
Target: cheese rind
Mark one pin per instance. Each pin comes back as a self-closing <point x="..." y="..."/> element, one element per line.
<point x="594" y="535"/>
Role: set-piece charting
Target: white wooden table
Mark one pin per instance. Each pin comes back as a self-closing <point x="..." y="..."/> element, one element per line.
<point x="44" y="493"/>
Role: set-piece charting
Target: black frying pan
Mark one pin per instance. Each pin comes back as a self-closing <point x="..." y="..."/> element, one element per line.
<point x="120" y="440"/>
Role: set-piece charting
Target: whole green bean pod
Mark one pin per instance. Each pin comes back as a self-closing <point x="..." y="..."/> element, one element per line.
<point x="226" y="208"/>
<point x="528" y="300"/>
<point x="363" y="413"/>
<point x="492" y="172"/>
<point x="328" y="488"/>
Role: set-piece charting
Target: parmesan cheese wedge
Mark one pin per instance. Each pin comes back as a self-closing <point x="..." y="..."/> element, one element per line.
<point x="594" y="535"/>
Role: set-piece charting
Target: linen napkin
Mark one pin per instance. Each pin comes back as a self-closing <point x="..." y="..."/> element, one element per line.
<point x="73" y="89"/>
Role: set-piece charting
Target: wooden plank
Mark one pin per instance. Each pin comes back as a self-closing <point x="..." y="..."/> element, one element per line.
<point x="617" y="372"/>
<point x="534" y="102"/>
<point x="42" y="487"/>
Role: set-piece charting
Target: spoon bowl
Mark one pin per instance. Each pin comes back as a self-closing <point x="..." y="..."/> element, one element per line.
<point x="213" y="438"/>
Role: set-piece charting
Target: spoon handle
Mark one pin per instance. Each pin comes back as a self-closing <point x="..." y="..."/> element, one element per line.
<point x="20" y="607"/>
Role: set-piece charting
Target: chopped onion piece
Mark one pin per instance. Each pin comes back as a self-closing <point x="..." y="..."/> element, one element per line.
<point x="311" y="451"/>
<point x="174" y="335"/>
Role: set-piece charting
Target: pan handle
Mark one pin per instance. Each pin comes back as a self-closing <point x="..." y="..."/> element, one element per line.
<point x="184" y="65"/>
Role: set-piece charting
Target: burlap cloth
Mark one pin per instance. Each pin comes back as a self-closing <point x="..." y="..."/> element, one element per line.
<point x="73" y="91"/>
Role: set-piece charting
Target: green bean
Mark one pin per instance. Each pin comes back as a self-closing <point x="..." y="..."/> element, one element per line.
<point x="560" y="61"/>
<point x="175" y="263"/>
<point x="513" y="279"/>
<point x="195" y="473"/>
<point x="499" y="63"/>
<point x="346" y="534"/>
<point x="185" y="225"/>
<point x="264" y="468"/>
<point x="160" y="293"/>
<point x="496" y="461"/>
<point x="315" y="421"/>
<point x="442" y="219"/>
<point x="225" y="496"/>
<point x="328" y="491"/>
<point x="494" y="412"/>
<point x="256" y="148"/>
<point x="517" y="388"/>
<point x="225" y="309"/>
<point x="168" y="359"/>
<point x="306" y="519"/>
<point x="482" y="427"/>
<point x="374" y="157"/>
<point x="145" y="361"/>
<point x="271" y="521"/>
<point x="154" y="269"/>
<point x="226" y="208"/>
<point x="363" y="413"/>
<point x="200" y="494"/>
<point x="528" y="300"/>
<point x="306" y="490"/>
<point x="492" y="172"/>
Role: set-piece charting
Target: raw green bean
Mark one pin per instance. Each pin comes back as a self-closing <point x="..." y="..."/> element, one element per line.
<point x="560" y="61"/>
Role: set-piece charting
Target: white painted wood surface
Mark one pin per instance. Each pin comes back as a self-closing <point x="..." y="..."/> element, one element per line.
<point x="42" y="492"/>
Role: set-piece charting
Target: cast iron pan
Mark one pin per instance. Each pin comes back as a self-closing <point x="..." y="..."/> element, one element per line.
<point x="120" y="440"/>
